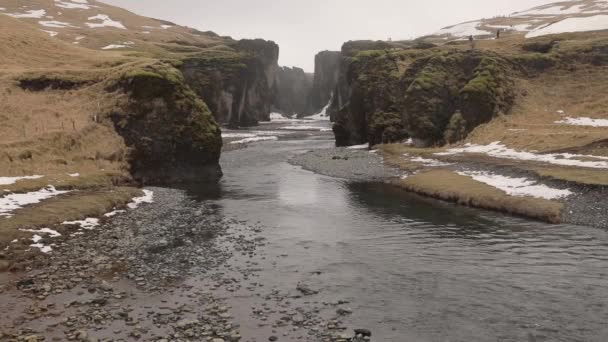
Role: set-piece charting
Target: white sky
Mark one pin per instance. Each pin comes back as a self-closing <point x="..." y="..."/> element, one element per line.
<point x="303" y="28"/>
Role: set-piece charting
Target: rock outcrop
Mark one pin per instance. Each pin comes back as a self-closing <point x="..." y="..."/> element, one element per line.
<point x="327" y="72"/>
<point x="237" y="83"/>
<point x="291" y="90"/>
<point x="391" y="91"/>
<point x="169" y="131"/>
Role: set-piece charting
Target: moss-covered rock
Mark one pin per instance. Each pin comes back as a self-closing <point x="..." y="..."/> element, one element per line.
<point x="170" y="132"/>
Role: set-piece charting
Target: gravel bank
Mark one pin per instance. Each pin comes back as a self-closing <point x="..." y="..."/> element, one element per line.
<point x="355" y="165"/>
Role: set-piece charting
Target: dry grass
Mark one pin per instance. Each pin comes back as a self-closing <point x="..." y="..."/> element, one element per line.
<point x="573" y="175"/>
<point x="531" y="125"/>
<point x="449" y="186"/>
<point x="75" y="205"/>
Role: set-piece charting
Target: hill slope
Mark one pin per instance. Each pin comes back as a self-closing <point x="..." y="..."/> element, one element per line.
<point x="559" y="17"/>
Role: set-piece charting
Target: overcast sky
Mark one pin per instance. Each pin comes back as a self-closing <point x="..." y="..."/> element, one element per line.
<point x="304" y="27"/>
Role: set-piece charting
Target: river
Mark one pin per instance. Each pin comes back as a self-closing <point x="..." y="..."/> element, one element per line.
<point x="413" y="269"/>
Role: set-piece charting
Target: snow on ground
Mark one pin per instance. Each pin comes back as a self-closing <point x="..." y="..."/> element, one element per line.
<point x="254" y="139"/>
<point x="552" y="10"/>
<point x="55" y="23"/>
<point x="42" y="247"/>
<point x="358" y="147"/>
<point x="164" y="27"/>
<point x="114" y="213"/>
<point x="29" y="14"/>
<point x="464" y="30"/>
<point x="429" y="162"/>
<point x="517" y="186"/>
<point x="497" y="150"/>
<point x="592" y="23"/>
<point x="13" y="180"/>
<point x="118" y="46"/>
<point x="50" y="33"/>
<point x="88" y="223"/>
<point x="73" y="4"/>
<point x="50" y="232"/>
<point x="148" y="197"/>
<point x="105" y="22"/>
<point x="582" y="122"/>
<point x="12" y="202"/>
<point x="74" y="174"/>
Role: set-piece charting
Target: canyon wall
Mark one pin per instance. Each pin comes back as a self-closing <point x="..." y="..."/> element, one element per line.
<point x="291" y="90"/>
<point x="237" y="83"/>
<point x="327" y="71"/>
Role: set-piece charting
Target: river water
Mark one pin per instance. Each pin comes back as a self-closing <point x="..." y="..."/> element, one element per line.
<point x="413" y="269"/>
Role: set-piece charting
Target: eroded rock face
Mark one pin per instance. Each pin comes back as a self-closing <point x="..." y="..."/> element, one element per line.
<point x="292" y="89"/>
<point x="327" y="73"/>
<point x="238" y="83"/>
<point x="170" y="132"/>
<point x="431" y="95"/>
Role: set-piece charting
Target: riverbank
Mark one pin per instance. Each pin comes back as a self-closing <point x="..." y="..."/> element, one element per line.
<point x="508" y="187"/>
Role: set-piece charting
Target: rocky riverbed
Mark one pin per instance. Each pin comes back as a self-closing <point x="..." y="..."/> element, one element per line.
<point x="351" y="164"/>
<point x="162" y="272"/>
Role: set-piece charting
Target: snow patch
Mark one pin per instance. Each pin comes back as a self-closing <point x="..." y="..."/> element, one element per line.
<point x="517" y="186"/>
<point x="592" y="23"/>
<point x="13" y="180"/>
<point x="55" y="23"/>
<point x="254" y="139"/>
<point x="105" y="22"/>
<point x="88" y="223"/>
<point x="114" y="213"/>
<point x="359" y="147"/>
<point x="74" y="4"/>
<point x="12" y="202"/>
<point x="50" y="232"/>
<point x="29" y="14"/>
<point x="51" y="33"/>
<point x="164" y="27"/>
<point x="582" y="122"/>
<point x="148" y="197"/>
<point x="464" y="30"/>
<point x="74" y="174"/>
<point x="497" y="150"/>
<point x="124" y="45"/>
<point x="429" y="162"/>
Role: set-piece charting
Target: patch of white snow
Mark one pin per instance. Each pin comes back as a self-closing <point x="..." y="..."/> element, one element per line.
<point x="88" y="223"/>
<point x="105" y="22"/>
<point x="13" y="180"/>
<point x="592" y="23"/>
<point x="148" y="197"/>
<point x="254" y="139"/>
<point x="12" y="202"/>
<point x="497" y="150"/>
<point x="584" y="122"/>
<point x="517" y="186"/>
<point x="29" y="14"/>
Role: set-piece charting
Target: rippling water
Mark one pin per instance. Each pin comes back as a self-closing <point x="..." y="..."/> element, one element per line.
<point x="416" y="269"/>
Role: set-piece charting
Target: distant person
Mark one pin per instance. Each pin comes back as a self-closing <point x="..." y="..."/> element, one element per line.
<point x="498" y="34"/>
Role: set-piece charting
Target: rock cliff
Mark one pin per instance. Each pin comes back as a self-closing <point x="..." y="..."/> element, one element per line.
<point x="236" y="82"/>
<point x="430" y="94"/>
<point x="291" y="90"/>
<point x="327" y="72"/>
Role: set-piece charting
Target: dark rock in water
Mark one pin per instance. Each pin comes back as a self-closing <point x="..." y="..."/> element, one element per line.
<point x="273" y="338"/>
<point x="363" y="332"/>
<point x="305" y="290"/>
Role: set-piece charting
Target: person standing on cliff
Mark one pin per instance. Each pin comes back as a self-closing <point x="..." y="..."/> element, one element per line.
<point x="498" y="34"/>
